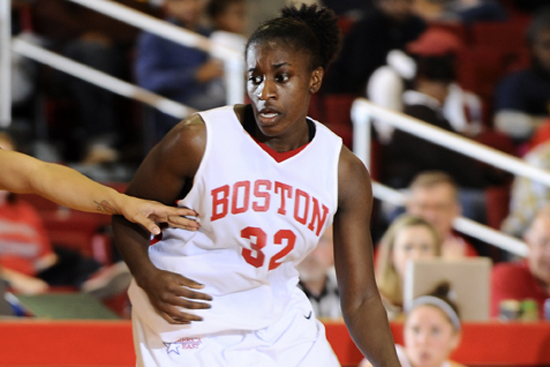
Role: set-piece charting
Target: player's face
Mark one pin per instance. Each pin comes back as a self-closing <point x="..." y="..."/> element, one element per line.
<point x="279" y="86"/>
<point x="429" y="337"/>
<point x="412" y="243"/>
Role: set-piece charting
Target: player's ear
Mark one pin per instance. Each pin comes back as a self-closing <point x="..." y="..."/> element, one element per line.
<point x="316" y="80"/>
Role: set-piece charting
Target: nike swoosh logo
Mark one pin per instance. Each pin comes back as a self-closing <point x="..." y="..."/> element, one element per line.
<point x="309" y="316"/>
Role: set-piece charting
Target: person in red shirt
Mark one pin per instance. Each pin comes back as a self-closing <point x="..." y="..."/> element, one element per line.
<point x="530" y="277"/>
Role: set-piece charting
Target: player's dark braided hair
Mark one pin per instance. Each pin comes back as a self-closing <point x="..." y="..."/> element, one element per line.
<point x="310" y="28"/>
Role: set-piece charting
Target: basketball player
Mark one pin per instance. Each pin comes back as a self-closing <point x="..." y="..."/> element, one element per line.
<point x="23" y="174"/>
<point x="267" y="182"/>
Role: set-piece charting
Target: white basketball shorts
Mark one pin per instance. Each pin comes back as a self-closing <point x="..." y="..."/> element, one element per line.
<point x="297" y="339"/>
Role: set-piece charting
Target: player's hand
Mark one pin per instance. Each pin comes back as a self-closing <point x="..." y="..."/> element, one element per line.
<point x="149" y="213"/>
<point x="169" y="293"/>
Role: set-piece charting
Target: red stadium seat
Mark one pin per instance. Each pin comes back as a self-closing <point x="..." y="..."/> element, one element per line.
<point x="508" y="35"/>
<point x="337" y="115"/>
<point x="480" y="68"/>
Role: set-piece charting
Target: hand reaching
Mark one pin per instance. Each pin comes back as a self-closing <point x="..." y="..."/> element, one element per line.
<point x="170" y="292"/>
<point x="148" y="213"/>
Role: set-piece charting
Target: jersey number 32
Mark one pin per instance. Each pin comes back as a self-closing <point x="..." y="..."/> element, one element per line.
<point x="255" y="257"/>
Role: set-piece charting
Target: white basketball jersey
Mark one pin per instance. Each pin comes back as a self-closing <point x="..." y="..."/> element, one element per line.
<point x="259" y="218"/>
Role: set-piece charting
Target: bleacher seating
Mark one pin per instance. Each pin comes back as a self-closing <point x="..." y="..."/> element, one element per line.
<point x="84" y="232"/>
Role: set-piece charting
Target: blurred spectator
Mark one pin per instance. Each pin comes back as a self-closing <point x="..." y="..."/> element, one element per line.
<point x="528" y="196"/>
<point x="184" y="74"/>
<point x="528" y="278"/>
<point x="407" y="155"/>
<point x="351" y="9"/>
<point x="102" y="43"/>
<point x="433" y="10"/>
<point x="522" y="97"/>
<point x="472" y="11"/>
<point x="318" y="279"/>
<point x="431" y="332"/>
<point x="408" y="238"/>
<point x="229" y="20"/>
<point x="389" y="25"/>
<point x="461" y="11"/>
<point x="540" y="136"/>
<point x="387" y="84"/>
<point x="434" y="196"/>
<point x="31" y="265"/>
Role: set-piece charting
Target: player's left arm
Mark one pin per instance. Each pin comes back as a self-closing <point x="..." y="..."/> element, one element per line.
<point x="362" y="307"/>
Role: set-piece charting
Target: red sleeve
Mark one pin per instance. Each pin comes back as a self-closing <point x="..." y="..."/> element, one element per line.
<point x="34" y="219"/>
<point x="28" y="244"/>
<point x="511" y="281"/>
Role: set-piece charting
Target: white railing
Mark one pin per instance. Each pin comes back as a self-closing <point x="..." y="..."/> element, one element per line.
<point x="100" y="79"/>
<point x="233" y="60"/>
<point x="5" y="63"/>
<point x="363" y="112"/>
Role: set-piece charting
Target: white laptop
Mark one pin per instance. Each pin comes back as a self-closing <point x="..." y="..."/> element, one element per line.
<point x="470" y="280"/>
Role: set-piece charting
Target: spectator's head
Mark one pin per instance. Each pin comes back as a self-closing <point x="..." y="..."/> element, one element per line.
<point x="315" y="266"/>
<point x="432" y="328"/>
<point x="434" y="75"/>
<point x="188" y="12"/>
<point x="228" y="15"/>
<point x="396" y="10"/>
<point x="538" y="39"/>
<point x="434" y="197"/>
<point x="435" y="42"/>
<point x="537" y="238"/>
<point x="408" y="238"/>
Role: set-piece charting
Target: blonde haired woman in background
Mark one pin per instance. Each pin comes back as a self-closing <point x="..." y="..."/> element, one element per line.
<point x="408" y="238"/>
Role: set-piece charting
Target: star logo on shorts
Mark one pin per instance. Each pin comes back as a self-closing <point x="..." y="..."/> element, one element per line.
<point x="172" y="347"/>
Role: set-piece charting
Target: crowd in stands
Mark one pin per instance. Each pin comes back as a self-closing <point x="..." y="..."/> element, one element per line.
<point x="432" y="60"/>
<point x="31" y="264"/>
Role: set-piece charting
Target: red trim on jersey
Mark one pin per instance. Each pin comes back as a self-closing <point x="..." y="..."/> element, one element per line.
<point x="279" y="157"/>
<point x="156" y="239"/>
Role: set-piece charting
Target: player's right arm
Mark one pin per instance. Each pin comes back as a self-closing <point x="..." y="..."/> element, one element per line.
<point x="164" y="174"/>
